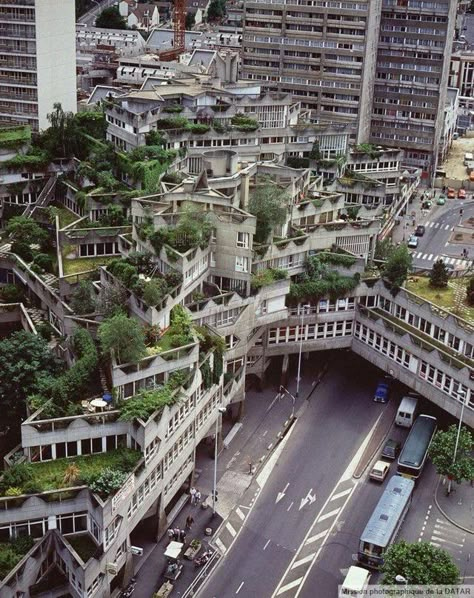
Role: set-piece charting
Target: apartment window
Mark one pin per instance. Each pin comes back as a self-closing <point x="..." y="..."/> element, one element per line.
<point x="243" y="240"/>
<point x="241" y="264"/>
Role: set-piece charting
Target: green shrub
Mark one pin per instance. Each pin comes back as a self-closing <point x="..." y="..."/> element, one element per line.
<point x="44" y="261"/>
<point x="143" y="405"/>
<point x="173" y="278"/>
<point x="154" y="291"/>
<point x="297" y="162"/>
<point x="199" y="129"/>
<point x="244" y="123"/>
<point x="337" y="259"/>
<point x="22" y="250"/>
<point x="173" y="108"/>
<point x="107" y="482"/>
<point x="13" y="491"/>
<point x="17" y="476"/>
<point x="470" y="291"/>
<point x="11" y="293"/>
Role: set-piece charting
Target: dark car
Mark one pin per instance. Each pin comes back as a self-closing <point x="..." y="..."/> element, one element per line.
<point x="420" y="230"/>
<point x="391" y="449"/>
<point x="382" y="392"/>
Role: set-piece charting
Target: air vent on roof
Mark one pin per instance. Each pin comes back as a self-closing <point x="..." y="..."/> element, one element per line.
<point x="384" y="517"/>
<point x="397" y="490"/>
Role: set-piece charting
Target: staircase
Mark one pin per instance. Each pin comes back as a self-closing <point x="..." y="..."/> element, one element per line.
<point x="50" y="281"/>
<point x="103" y="380"/>
<point x="37" y="316"/>
<point x="5" y="248"/>
<point x="44" y="198"/>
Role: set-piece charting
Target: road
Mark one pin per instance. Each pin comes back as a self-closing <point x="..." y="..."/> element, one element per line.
<point x="90" y="16"/>
<point x="435" y="243"/>
<point x="306" y="491"/>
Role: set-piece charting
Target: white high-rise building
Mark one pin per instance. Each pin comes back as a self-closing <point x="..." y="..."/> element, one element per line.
<point x="37" y="60"/>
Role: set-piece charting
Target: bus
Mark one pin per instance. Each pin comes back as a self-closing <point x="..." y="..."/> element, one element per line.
<point x="384" y="523"/>
<point x="415" y="450"/>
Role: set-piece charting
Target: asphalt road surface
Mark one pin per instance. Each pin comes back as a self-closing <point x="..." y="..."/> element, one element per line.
<point x="90" y="16"/>
<point x="307" y="490"/>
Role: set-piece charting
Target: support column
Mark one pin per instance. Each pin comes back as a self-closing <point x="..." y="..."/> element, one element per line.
<point x="284" y="370"/>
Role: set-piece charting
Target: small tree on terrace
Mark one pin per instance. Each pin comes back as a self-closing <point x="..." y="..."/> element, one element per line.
<point x="470" y="291"/>
<point x="442" y="454"/>
<point x="82" y="301"/>
<point x="110" y="18"/>
<point x="268" y="203"/>
<point x="439" y="275"/>
<point x="26" y="230"/>
<point x="397" y="266"/>
<point x="125" y="336"/>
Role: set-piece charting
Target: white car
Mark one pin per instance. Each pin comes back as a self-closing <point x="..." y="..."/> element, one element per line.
<point x="413" y="242"/>
<point x="379" y="471"/>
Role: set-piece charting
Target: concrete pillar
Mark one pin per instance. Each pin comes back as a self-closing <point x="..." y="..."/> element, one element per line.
<point x="284" y="370"/>
<point x="79" y="447"/>
<point x="162" y="525"/>
<point x="53" y="451"/>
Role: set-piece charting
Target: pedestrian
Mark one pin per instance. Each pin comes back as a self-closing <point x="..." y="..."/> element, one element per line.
<point x="189" y="521"/>
<point x="171" y="534"/>
<point x="198" y="497"/>
<point x="192" y="492"/>
<point x="182" y="536"/>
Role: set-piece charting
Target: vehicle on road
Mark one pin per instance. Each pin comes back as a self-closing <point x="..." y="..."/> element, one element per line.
<point x="391" y="449"/>
<point x="441" y="200"/>
<point x="426" y="205"/>
<point x="379" y="471"/>
<point x="407" y="412"/>
<point x="355" y="583"/>
<point x="384" y="523"/>
<point x="451" y="193"/>
<point x="468" y="157"/>
<point x="420" y="230"/>
<point x="382" y="392"/>
<point x="415" y="450"/>
<point x="413" y="242"/>
<point x="462" y="194"/>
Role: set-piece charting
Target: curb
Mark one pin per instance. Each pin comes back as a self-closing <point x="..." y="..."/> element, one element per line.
<point x="358" y="475"/>
<point x="452" y="521"/>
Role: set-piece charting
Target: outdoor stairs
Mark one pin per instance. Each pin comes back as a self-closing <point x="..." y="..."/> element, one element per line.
<point x="45" y="197"/>
<point x="38" y="316"/>
<point x="5" y="248"/>
<point x="103" y="380"/>
<point x="50" y="281"/>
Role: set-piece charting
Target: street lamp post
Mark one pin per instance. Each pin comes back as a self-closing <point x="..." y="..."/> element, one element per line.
<point x="462" y="396"/>
<point x="401" y="580"/>
<point x="293" y="400"/>
<point x="220" y="411"/>
<point x="298" y="378"/>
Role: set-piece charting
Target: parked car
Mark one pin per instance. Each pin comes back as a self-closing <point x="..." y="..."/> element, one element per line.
<point x="441" y="200"/>
<point x="391" y="449"/>
<point x="426" y="205"/>
<point x="413" y="242"/>
<point x="382" y="392"/>
<point x="420" y="230"/>
<point x="462" y="194"/>
<point x="451" y="193"/>
<point x="379" y="471"/>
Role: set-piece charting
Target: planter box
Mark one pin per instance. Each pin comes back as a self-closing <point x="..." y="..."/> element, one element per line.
<point x="191" y="552"/>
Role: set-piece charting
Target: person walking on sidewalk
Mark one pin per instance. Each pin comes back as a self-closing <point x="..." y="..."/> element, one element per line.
<point x="192" y="492"/>
<point x="189" y="521"/>
<point x="197" y="497"/>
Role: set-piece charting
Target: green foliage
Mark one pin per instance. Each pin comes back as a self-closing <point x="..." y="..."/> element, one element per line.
<point x="206" y="374"/>
<point x="190" y="20"/>
<point x="470" y="291"/>
<point x="154" y="291"/>
<point x="17" y="476"/>
<point x="143" y="405"/>
<point x="442" y="454"/>
<point x="268" y="203"/>
<point x="34" y="160"/>
<point x="193" y="230"/>
<point x="173" y="108"/>
<point x="82" y="300"/>
<point x="11" y="293"/>
<point x="155" y="137"/>
<point x="369" y="149"/>
<point x="419" y="563"/>
<point x="173" y="122"/>
<point x="112" y="300"/>
<point x="439" y="275"/>
<point x="22" y="250"/>
<point x="315" y="153"/>
<point x="14" y="137"/>
<point x="44" y="261"/>
<point x="107" y="482"/>
<point x="297" y="162"/>
<point x="26" y="230"/>
<point x="337" y="259"/>
<point x="198" y="129"/>
<point x="216" y="10"/>
<point x="181" y="323"/>
<point x="25" y="359"/>
<point x="397" y="266"/>
<point x="266" y="277"/>
<point x="125" y="336"/>
<point x="352" y="212"/>
<point x="383" y="249"/>
<point x="244" y="123"/>
<point x="92" y="123"/>
<point x="110" y="18"/>
<point x="12" y="552"/>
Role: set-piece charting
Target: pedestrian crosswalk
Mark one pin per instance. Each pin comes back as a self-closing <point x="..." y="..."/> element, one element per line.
<point x="446" y="536"/>
<point x="439" y="225"/>
<point x="452" y="261"/>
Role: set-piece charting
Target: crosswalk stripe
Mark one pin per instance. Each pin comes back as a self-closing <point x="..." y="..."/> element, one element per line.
<point x="436" y="225"/>
<point x="428" y="224"/>
<point x="317" y="537"/>
<point x="330" y="514"/>
<point x="451" y="260"/>
<point x="341" y="494"/>
<point x="239" y="513"/>
<point x="438" y="538"/>
<point x="447" y="227"/>
<point x="220" y="545"/>
<point x="306" y="559"/>
<point x="431" y="224"/>
<point x="424" y="256"/>
<point x="430" y="257"/>
<point x="289" y="586"/>
<point x="231" y="530"/>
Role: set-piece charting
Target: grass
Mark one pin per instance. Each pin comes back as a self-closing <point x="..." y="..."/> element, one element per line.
<point x="49" y="475"/>
<point x="83" y="545"/>
<point x="66" y="217"/>
<point x="15" y="136"/>
<point x="81" y="264"/>
<point x="444" y="298"/>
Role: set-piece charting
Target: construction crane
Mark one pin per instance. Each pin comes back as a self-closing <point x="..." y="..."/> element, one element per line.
<point x="179" y="32"/>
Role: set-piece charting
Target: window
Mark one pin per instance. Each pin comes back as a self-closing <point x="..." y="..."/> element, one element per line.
<point x="243" y="240"/>
<point x="241" y="263"/>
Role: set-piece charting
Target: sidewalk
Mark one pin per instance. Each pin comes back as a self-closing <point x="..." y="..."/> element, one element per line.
<point x="458" y="507"/>
<point x="405" y="229"/>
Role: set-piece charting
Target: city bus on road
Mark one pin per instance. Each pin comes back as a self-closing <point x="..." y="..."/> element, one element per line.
<point x="415" y="450"/>
<point x="384" y="523"/>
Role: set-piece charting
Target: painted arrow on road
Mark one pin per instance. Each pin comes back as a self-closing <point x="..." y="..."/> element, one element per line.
<point x="309" y="498"/>
<point x="281" y="494"/>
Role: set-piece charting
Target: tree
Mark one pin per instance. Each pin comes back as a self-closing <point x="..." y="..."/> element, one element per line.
<point x="439" y="275"/>
<point x="442" y="454"/>
<point x="216" y="10"/>
<point x="112" y="300"/>
<point x="61" y="137"/>
<point x="71" y="474"/>
<point x="125" y="336"/>
<point x="82" y="300"/>
<point x="383" y="249"/>
<point x="190" y="20"/>
<point x="398" y="265"/>
<point x="154" y="291"/>
<point x="110" y="18"/>
<point x="470" y="291"/>
<point x="26" y="230"/>
<point x="25" y="359"/>
<point x="268" y="203"/>
<point x="419" y="563"/>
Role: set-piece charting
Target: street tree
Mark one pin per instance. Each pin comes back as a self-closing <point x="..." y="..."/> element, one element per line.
<point x="383" y="249"/>
<point x="442" y="454"/>
<point x="125" y="336"/>
<point x="268" y="204"/>
<point x="82" y="300"/>
<point x="26" y="230"/>
<point x="470" y="291"/>
<point x="216" y="10"/>
<point x="397" y="266"/>
<point x="110" y="18"/>
<point x="190" y="20"/>
<point x="420" y="564"/>
<point x="25" y="359"/>
<point x="439" y="275"/>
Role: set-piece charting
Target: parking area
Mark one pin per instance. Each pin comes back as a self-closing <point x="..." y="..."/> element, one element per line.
<point x="454" y="165"/>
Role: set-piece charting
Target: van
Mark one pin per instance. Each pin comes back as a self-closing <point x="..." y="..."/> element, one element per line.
<point x="468" y="157"/>
<point x="355" y="583"/>
<point x="407" y="411"/>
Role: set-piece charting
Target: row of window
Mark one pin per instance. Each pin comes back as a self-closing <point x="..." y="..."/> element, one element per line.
<point x="93" y="249"/>
<point x="86" y="446"/>
<point x="308" y="332"/>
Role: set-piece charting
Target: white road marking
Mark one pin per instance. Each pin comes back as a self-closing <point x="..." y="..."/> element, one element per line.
<point x="239" y="513"/>
<point x="270" y="464"/>
<point x="430" y="224"/>
<point x="268" y="542"/>
<point x="309" y="498"/>
<point x="289" y="586"/>
<point x="302" y="561"/>
<point x="240" y="587"/>
<point x="341" y="494"/>
<point x="220" y="545"/>
<point x="447" y="227"/>
<point x="430" y="257"/>
<point x="418" y="255"/>
<point x="317" y="537"/>
<point x="292" y="503"/>
<point x="424" y="256"/>
<point x="230" y="529"/>
<point x="281" y="494"/>
<point x="330" y="514"/>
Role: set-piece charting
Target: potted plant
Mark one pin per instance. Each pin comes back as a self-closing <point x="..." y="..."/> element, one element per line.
<point x="193" y="549"/>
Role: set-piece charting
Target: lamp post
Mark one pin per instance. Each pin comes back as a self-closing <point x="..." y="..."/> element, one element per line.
<point x="298" y="377"/>
<point x="401" y="580"/>
<point x="220" y="411"/>
<point x="293" y="400"/>
<point x="462" y="397"/>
